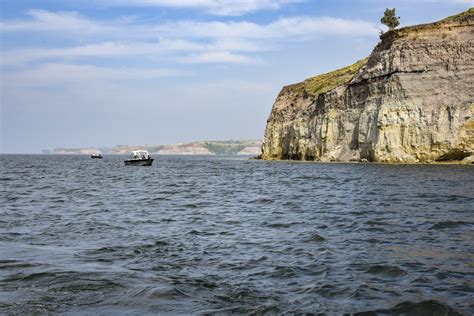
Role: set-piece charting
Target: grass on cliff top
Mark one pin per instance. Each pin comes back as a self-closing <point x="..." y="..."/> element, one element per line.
<point x="461" y="16"/>
<point x="314" y="86"/>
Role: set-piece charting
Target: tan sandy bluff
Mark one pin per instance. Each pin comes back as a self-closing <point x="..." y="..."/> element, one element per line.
<point x="412" y="100"/>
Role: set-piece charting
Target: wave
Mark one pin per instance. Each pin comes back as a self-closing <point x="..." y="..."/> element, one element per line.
<point x="386" y="270"/>
<point x="429" y="307"/>
<point x="450" y="224"/>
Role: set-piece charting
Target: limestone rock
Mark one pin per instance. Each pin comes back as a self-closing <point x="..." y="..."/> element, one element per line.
<point x="411" y="101"/>
<point x="469" y="160"/>
<point x="251" y="150"/>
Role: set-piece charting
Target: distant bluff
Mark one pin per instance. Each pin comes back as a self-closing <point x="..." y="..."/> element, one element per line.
<point x="412" y="100"/>
<point x="226" y="147"/>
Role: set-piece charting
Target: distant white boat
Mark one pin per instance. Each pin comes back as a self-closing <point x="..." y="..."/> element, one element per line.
<point x="96" y="156"/>
<point x="139" y="158"/>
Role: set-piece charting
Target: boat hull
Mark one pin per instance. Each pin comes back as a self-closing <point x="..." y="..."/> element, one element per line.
<point x="139" y="162"/>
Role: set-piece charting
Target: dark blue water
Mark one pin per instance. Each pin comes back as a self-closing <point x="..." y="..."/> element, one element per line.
<point x="229" y="235"/>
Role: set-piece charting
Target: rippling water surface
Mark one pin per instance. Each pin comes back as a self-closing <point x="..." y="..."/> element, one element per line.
<point x="228" y="235"/>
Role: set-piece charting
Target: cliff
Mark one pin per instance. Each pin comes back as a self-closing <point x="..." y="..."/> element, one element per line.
<point x="412" y="100"/>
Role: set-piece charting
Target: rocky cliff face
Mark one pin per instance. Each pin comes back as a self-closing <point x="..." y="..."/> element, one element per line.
<point x="412" y="100"/>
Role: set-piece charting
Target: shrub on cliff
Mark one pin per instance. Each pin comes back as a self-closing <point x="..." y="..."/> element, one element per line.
<point x="390" y="19"/>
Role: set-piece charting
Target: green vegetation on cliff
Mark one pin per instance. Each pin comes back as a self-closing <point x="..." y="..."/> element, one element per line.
<point x="314" y="86"/>
<point x="459" y="17"/>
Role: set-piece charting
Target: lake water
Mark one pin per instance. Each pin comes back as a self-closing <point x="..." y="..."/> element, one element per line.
<point x="221" y="235"/>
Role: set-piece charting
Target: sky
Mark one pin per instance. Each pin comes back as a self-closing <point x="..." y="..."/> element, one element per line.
<point x="100" y="73"/>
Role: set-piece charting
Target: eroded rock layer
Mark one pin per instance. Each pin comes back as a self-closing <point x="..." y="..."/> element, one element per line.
<point x="412" y="100"/>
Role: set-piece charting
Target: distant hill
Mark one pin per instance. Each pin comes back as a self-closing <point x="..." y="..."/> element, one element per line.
<point x="228" y="147"/>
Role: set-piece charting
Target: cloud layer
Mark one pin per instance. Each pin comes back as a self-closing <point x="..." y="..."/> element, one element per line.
<point x="184" y="41"/>
<point x="215" y="7"/>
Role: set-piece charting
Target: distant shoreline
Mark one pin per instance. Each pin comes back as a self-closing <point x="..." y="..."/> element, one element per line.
<point x="225" y="147"/>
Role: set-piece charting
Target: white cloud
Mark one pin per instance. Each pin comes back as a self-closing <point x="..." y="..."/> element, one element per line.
<point x="217" y="52"/>
<point x="239" y="45"/>
<point x="218" y="57"/>
<point x="67" y="22"/>
<point x="216" y="7"/>
<point x="43" y="20"/>
<point x="284" y="28"/>
<point x="53" y="74"/>
<point x="184" y="41"/>
<point x="132" y="49"/>
<point x="462" y="2"/>
<point x="105" y="49"/>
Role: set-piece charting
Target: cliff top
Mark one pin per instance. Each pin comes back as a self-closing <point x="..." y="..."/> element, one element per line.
<point x="461" y="18"/>
<point x="314" y="86"/>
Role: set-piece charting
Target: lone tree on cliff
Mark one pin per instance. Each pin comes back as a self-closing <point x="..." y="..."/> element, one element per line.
<point x="390" y="19"/>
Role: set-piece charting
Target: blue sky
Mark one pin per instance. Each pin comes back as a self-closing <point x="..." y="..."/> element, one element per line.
<point x="106" y="72"/>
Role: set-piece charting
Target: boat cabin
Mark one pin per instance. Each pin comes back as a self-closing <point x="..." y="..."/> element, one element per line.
<point x="140" y="154"/>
